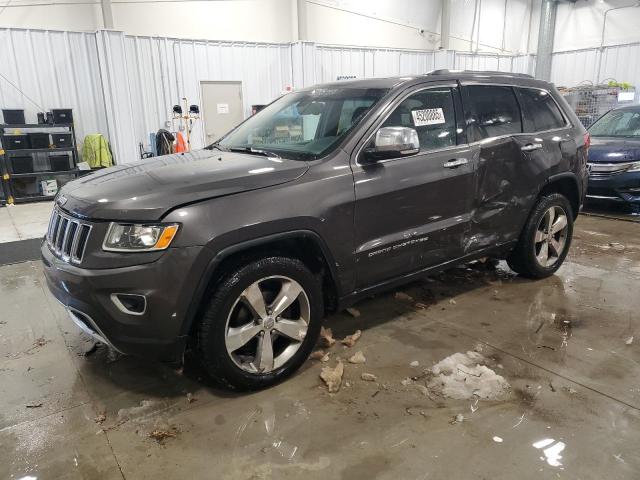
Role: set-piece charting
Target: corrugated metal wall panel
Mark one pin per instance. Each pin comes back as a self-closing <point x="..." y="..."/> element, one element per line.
<point x="618" y="62"/>
<point x="573" y="68"/>
<point x="331" y="62"/>
<point x="621" y="63"/>
<point x="160" y="72"/>
<point x="524" y="64"/>
<point x="124" y="86"/>
<point x="54" y="70"/>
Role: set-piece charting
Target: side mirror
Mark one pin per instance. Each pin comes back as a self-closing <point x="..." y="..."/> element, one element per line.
<point x="393" y="142"/>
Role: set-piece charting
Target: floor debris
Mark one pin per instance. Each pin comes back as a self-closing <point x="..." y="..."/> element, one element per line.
<point x="160" y="434"/>
<point x="332" y="377"/>
<point x="452" y="301"/>
<point x="463" y="375"/>
<point x="40" y="342"/>
<point x="350" y="340"/>
<point x="497" y="439"/>
<point x="368" y="377"/>
<point x="414" y="364"/>
<point x="191" y="398"/>
<point x="459" y="418"/>
<point x="421" y="305"/>
<point x="33" y="405"/>
<point x="317" y="355"/>
<point x="354" y="312"/>
<point x="617" y="246"/>
<point x="629" y="340"/>
<point x="403" y="296"/>
<point x="358" y="357"/>
<point x="100" y="418"/>
<point x="326" y="337"/>
<point x="420" y="388"/>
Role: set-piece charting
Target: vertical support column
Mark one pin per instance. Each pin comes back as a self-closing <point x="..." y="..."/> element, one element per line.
<point x="295" y="32"/>
<point x="545" y="39"/>
<point x="107" y="14"/>
<point x="301" y="15"/>
<point x="445" y="24"/>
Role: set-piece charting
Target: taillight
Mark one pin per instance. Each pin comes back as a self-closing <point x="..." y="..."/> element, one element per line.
<point x="587" y="140"/>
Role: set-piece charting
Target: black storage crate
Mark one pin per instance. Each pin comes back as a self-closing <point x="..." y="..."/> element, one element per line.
<point x="60" y="163"/>
<point x="13" y="117"/>
<point x="22" y="164"/>
<point x="62" y="115"/>
<point x="15" y="142"/>
<point x="39" y="140"/>
<point x="62" y="140"/>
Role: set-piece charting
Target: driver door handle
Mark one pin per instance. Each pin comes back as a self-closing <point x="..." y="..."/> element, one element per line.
<point x="530" y="147"/>
<point x="456" y="163"/>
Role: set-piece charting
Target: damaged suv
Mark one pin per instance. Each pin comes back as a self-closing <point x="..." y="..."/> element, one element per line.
<point x="327" y="195"/>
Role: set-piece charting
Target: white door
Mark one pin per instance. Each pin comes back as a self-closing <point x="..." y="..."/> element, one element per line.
<point x="222" y="108"/>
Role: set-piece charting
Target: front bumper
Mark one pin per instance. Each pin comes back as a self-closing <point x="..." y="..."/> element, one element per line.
<point x="622" y="187"/>
<point x="167" y="284"/>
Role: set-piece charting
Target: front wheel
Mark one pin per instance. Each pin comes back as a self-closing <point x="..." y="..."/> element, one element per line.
<point x="261" y="323"/>
<point x="545" y="240"/>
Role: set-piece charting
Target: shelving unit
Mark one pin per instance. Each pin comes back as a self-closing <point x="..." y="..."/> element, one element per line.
<point x="10" y="180"/>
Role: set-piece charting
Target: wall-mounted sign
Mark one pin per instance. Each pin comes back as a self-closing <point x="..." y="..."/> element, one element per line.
<point x="223" y="107"/>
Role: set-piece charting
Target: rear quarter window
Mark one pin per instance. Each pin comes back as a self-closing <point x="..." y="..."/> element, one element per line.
<point x="491" y="111"/>
<point x="539" y="110"/>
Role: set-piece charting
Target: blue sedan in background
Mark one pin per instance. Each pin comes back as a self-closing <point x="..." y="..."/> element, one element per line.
<point x="614" y="156"/>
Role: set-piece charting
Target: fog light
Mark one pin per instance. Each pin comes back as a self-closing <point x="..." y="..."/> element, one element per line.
<point x="130" y="303"/>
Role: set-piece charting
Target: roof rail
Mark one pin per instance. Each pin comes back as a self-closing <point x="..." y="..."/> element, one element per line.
<point x="445" y="71"/>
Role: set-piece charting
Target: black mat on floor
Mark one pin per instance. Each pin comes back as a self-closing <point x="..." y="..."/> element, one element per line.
<point x="20" y="251"/>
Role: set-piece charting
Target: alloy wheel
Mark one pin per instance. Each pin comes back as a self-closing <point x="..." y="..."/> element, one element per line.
<point x="267" y="324"/>
<point x="551" y="236"/>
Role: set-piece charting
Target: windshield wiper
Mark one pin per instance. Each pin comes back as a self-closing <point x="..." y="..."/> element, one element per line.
<point x="217" y="146"/>
<point x="255" y="151"/>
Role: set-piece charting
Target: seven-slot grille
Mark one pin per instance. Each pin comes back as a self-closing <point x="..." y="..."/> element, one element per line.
<point x="67" y="236"/>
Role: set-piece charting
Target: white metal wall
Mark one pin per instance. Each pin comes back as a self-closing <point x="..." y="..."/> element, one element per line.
<point x="54" y="70"/>
<point x="148" y="75"/>
<point x="619" y="62"/>
<point x="125" y="86"/>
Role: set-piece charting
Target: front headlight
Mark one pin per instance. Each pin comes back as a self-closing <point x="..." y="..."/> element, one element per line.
<point x="635" y="167"/>
<point x="126" y="237"/>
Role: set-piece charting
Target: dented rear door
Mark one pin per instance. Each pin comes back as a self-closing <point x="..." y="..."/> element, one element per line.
<point x="503" y="179"/>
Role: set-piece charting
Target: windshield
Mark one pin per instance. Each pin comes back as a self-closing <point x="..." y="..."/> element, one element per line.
<point x="304" y="125"/>
<point x="620" y="123"/>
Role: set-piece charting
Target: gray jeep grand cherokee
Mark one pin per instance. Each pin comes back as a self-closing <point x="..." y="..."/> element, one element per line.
<point x="327" y="195"/>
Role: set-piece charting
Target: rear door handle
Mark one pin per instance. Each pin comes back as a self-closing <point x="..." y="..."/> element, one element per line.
<point x="455" y="163"/>
<point x="530" y="147"/>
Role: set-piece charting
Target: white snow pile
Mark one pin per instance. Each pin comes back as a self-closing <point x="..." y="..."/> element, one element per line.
<point x="465" y="375"/>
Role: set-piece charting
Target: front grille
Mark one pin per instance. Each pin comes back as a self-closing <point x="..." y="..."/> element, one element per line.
<point x="67" y="236"/>
<point x="605" y="170"/>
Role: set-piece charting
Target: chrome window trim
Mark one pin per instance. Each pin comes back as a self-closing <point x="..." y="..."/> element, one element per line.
<point x="567" y="123"/>
<point x="396" y="102"/>
<point x="450" y="85"/>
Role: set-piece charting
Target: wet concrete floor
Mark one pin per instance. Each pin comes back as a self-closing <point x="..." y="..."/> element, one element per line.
<point x="564" y="344"/>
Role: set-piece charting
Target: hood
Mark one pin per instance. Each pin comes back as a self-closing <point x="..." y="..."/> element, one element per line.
<point x="614" y="150"/>
<point x="146" y="190"/>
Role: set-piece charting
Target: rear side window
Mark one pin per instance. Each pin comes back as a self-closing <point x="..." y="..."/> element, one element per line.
<point x="431" y="113"/>
<point x="539" y="110"/>
<point x="491" y="111"/>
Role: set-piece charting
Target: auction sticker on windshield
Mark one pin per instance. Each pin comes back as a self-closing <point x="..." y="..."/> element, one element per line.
<point x="428" y="116"/>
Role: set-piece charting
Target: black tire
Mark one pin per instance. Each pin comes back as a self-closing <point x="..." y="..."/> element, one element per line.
<point x="212" y="329"/>
<point x="523" y="258"/>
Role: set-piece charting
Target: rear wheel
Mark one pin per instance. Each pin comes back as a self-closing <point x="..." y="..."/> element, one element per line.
<point x="261" y="323"/>
<point x="545" y="240"/>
